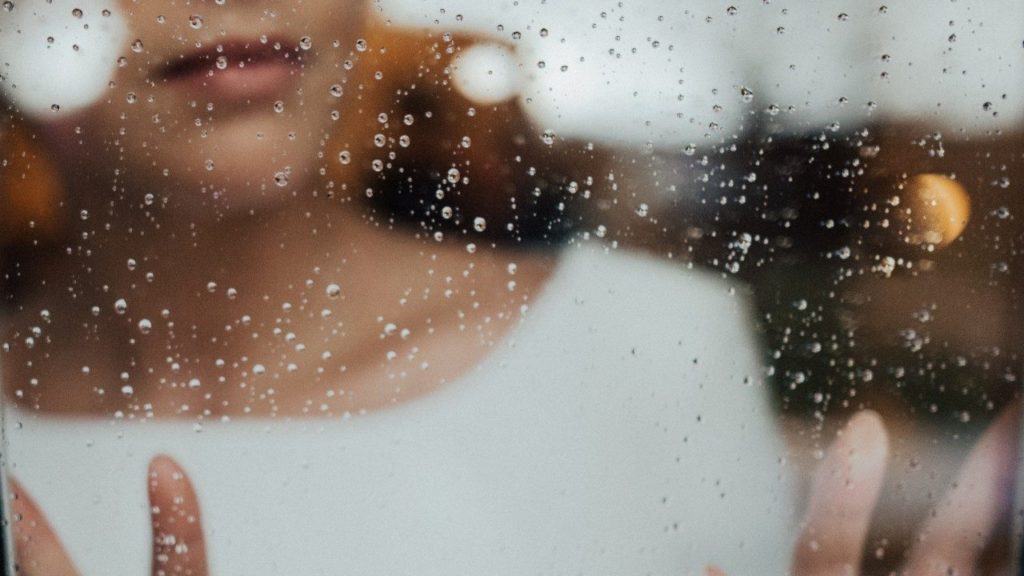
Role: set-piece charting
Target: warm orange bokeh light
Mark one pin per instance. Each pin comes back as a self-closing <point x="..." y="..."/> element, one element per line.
<point x="940" y="209"/>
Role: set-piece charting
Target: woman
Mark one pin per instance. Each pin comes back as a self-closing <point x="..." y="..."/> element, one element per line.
<point x="350" y="394"/>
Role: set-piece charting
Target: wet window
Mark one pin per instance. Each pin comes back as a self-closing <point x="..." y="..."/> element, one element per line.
<point x="448" y="287"/>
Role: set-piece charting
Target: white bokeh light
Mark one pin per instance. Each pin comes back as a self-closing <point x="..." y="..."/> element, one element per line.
<point x="57" y="57"/>
<point x="487" y="73"/>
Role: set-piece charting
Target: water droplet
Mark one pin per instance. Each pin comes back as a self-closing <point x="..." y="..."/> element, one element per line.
<point x="120" y="306"/>
<point x="145" y="326"/>
<point x="479" y="224"/>
<point x="195" y="21"/>
<point x="333" y="291"/>
<point x="305" y="42"/>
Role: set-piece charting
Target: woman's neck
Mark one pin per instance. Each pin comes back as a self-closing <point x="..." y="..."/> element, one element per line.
<point x="315" y="308"/>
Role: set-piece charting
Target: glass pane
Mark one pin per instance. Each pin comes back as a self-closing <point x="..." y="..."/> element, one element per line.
<point x="644" y="287"/>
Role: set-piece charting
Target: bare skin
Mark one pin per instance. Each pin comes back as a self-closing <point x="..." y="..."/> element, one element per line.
<point x="411" y="316"/>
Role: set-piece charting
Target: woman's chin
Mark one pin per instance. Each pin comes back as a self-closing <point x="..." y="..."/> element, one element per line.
<point x="213" y="206"/>
<point x="226" y="193"/>
<point x="242" y="166"/>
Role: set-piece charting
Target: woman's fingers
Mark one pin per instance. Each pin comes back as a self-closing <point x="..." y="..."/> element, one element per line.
<point x="955" y="535"/>
<point x="37" y="550"/>
<point x="178" y="544"/>
<point x="843" y="496"/>
<point x="846" y="489"/>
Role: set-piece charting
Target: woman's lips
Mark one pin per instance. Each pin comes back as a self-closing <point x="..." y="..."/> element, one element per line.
<point x="236" y="71"/>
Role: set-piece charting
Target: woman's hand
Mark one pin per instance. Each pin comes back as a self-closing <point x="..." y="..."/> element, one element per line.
<point x="846" y="488"/>
<point x="178" y="546"/>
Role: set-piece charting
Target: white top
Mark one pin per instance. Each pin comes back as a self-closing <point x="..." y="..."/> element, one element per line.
<point x="622" y="428"/>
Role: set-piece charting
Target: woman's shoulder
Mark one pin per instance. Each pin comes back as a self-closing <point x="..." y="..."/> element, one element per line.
<point x="636" y="323"/>
<point x="655" y="295"/>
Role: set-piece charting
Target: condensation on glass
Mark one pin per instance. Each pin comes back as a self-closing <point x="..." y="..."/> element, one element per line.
<point x="636" y="287"/>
